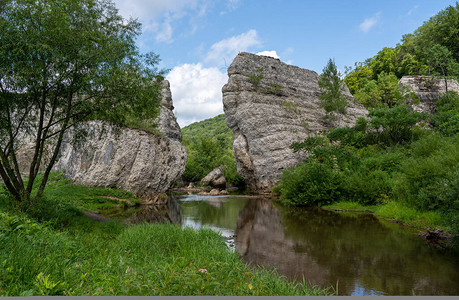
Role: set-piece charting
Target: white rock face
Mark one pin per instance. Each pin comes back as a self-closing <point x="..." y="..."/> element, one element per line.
<point x="268" y="106"/>
<point x="131" y="159"/>
<point x="427" y="90"/>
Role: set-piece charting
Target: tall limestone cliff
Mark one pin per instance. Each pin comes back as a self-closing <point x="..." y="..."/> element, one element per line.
<point x="269" y="105"/>
<point x="131" y="159"/>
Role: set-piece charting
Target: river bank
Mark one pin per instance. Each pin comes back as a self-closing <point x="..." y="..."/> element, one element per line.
<point x="56" y="249"/>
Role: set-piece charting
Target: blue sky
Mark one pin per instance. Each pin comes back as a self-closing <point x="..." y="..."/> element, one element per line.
<point x="198" y="39"/>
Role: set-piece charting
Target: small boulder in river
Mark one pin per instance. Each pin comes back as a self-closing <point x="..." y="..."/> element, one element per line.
<point x="215" y="178"/>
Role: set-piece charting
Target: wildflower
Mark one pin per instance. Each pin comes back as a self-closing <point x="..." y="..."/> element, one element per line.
<point x="250" y="286"/>
<point x="203" y="271"/>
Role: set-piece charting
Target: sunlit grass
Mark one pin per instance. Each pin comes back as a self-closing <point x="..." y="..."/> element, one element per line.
<point x="54" y="249"/>
<point x="395" y="211"/>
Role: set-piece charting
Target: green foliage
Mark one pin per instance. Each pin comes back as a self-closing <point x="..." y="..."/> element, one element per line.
<point x="87" y="258"/>
<point x="429" y="180"/>
<point x="396" y="123"/>
<point x="331" y="97"/>
<point x="61" y="63"/>
<point x="446" y="118"/>
<point x="255" y="78"/>
<point x="310" y="184"/>
<point x="383" y="92"/>
<point x="431" y="50"/>
<point x="210" y="144"/>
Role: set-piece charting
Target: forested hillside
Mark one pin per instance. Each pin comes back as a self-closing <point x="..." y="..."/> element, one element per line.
<point x="402" y="164"/>
<point x="433" y="49"/>
<point x="210" y="144"/>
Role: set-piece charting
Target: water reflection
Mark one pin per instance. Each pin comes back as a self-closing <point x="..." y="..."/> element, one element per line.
<point x="364" y="255"/>
<point x="170" y="213"/>
<point x="218" y="212"/>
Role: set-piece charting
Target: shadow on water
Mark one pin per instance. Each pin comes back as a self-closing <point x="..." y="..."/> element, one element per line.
<point x="363" y="254"/>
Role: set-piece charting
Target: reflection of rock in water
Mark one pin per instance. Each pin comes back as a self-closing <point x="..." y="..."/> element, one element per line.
<point x="170" y="213"/>
<point x="260" y="240"/>
<point x="357" y="250"/>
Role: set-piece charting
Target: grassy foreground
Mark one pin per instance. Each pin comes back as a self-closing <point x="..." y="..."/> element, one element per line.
<point x="54" y="249"/>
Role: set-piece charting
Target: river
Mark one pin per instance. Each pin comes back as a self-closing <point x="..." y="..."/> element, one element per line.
<point x="355" y="252"/>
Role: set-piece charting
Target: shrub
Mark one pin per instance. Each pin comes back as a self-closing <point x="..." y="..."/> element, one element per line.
<point x="394" y="124"/>
<point x="310" y="184"/>
<point x="367" y="188"/>
<point x="429" y="178"/>
<point x="446" y="118"/>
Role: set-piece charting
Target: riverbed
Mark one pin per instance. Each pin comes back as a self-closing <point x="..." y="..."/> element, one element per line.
<point x="356" y="253"/>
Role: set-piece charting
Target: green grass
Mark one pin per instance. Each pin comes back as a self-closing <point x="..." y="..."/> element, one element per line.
<point x="395" y="211"/>
<point x="54" y="249"/>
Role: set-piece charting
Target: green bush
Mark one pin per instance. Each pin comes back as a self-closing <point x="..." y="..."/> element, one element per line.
<point x="429" y="177"/>
<point x="446" y="117"/>
<point x="367" y="188"/>
<point x="395" y="125"/>
<point x="310" y="184"/>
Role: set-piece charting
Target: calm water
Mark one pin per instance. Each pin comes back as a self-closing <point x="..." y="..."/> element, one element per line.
<point x="364" y="255"/>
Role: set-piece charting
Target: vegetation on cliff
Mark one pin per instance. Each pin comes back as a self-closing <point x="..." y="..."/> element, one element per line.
<point x="55" y="249"/>
<point x="431" y="50"/>
<point x="61" y="63"/>
<point x="210" y="144"/>
<point x="404" y="162"/>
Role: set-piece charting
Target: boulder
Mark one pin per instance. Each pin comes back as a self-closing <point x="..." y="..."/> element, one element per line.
<point x="215" y="178"/>
<point x="269" y="105"/>
<point x="427" y="90"/>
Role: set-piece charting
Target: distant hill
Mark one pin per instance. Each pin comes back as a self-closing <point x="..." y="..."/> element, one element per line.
<point x="210" y="128"/>
<point x="210" y="144"/>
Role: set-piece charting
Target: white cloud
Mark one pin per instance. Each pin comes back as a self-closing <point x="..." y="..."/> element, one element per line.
<point x="269" y="53"/>
<point x="158" y="16"/>
<point x="224" y="51"/>
<point x="196" y="92"/>
<point x="369" y="23"/>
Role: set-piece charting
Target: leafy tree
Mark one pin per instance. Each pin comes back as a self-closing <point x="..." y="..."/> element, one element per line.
<point x="63" y="62"/>
<point x="441" y="58"/>
<point x="331" y="97"/>
<point x="395" y="123"/>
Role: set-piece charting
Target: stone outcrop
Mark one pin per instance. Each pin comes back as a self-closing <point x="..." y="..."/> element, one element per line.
<point x="269" y="105"/>
<point x="166" y="121"/>
<point x="215" y="178"/>
<point x="427" y="89"/>
<point x="144" y="163"/>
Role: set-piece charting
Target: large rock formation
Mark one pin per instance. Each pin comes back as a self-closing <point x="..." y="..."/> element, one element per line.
<point x="269" y="105"/>
<point x="427" y="90"/>
<point x="131" y="159"/>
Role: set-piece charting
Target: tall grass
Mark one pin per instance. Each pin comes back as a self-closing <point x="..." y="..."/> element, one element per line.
<point x="59" y="251"/>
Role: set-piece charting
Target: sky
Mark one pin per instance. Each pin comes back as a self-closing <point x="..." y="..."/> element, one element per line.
<point x="198" y="39"/>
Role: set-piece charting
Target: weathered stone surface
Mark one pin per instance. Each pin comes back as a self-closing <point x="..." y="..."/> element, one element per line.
<point x="427" y="90"/>
<point x="131" y="159"/>
<point x="167" y="123"/>
<point x="215" y="178"/>
<point x="269" y="105"/>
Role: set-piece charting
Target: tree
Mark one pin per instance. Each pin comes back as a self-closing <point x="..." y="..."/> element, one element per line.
<point x="442" y="59"/>
<point x="63" y="62"/>
<point x="332" y="88"/>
